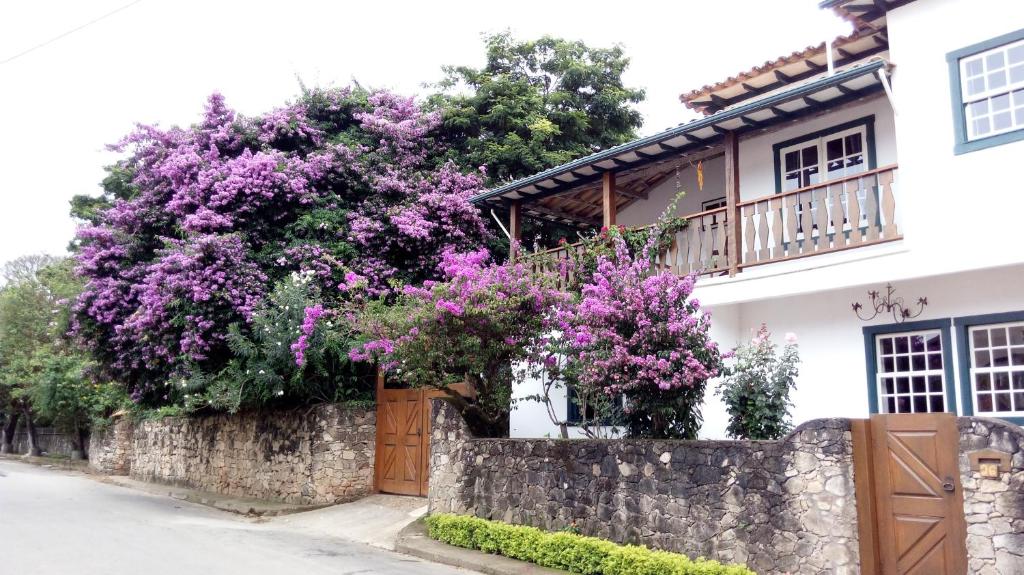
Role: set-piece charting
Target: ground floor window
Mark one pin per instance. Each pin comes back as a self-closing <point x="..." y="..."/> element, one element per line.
<point x="910" y="367"/>
<point x="910" y="372"/>
<point x="993" y="362"/>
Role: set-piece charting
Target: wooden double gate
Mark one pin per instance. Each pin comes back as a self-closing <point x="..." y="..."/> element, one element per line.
<point x="909" y="501"/>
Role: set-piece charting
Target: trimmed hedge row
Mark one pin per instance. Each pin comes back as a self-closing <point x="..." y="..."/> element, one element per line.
<point x="568" y="551"/>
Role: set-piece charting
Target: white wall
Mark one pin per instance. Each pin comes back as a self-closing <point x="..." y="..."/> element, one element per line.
<point x="643" y="212"/>
<point x="833" y="376"/>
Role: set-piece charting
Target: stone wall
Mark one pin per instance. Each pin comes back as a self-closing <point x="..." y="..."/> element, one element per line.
<point x="779" y="507"/>
<point x="319" y="455"/>
<point x="110" y="448"/>
<point x="51" y="441"/>
<point x="994" y="508"/>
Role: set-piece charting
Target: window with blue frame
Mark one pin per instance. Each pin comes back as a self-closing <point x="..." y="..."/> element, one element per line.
<point x="991" y="354"/>
<point x="987" y="89"/>
<point x="910" y="367"/>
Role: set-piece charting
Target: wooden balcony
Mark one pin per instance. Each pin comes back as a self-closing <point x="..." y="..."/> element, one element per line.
<point x="841" y="214"/>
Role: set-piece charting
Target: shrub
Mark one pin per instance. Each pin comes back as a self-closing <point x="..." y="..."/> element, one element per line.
<point x="568" y="551"/>
<point x="756" y="391"/>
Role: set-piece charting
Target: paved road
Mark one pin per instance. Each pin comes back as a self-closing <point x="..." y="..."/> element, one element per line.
<point x="54" y="522"/>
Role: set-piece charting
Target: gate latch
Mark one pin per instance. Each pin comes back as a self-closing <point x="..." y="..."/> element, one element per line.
<point x="947" y="485"/>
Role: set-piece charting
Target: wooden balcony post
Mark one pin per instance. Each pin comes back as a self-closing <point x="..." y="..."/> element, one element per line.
<point x="608" y="199"/>
<point x="515" y="229"/>
<point x="732" y="202"/>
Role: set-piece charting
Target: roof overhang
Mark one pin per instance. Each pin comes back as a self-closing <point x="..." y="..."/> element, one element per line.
<point x="646" y="161"/>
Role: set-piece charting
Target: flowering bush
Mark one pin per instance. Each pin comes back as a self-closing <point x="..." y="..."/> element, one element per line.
<point x="469" y="329"/>
<point x="756" y="391"/>
<point x="635" y="335"/>
<point x="196" y="225"/>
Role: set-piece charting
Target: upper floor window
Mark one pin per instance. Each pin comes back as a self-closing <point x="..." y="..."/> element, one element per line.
<point x="988" y="92"/>
<point x="829" y="154"/>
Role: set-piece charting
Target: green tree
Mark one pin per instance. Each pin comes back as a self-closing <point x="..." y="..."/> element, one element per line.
<point x="42" y="372"/>
<point x="536" y="104"/>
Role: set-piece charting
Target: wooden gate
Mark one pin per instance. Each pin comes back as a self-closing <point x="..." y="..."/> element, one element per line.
<point x="909" y="500"/>
<point x="403" y="440"/>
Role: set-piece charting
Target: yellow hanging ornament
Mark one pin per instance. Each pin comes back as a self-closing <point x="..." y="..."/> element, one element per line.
<point x="700" y="175"/>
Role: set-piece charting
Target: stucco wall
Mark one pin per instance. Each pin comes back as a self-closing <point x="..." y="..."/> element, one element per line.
<point x="779" y="507"/>
<point x="318" y="455"/>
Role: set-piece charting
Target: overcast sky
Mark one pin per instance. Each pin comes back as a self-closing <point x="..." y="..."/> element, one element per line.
<point x="155" y="61"/>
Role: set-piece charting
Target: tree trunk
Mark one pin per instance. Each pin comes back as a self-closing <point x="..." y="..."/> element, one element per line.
<point x="78" y="449"/>
<point x="7" y="443"/>
<point x="33" y="439"/>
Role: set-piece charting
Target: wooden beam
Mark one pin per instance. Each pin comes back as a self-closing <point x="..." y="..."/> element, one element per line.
<point x="515" y="228"/>
<point x="782" y="77"/>
<point x="732" y="202"/>
<point x="814" y="65"/>
<point x="608" y="200"/>
<point x="846" y="54"/>
<point x="844" y="90"/>
<point x="575" y="218"/>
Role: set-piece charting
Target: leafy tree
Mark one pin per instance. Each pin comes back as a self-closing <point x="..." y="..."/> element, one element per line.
<point x="197" y="225"/>
<point x="470" y="329"/>
<point x="536" y="104"/>
<point x="756" y="391"/>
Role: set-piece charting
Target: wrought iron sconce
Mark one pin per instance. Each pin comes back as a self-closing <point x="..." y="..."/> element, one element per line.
<point x="889" y="303"/>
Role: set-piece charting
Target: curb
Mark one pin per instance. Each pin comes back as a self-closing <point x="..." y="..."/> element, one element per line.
<point x="413" y="540"/>
<point x="239" y="505"/>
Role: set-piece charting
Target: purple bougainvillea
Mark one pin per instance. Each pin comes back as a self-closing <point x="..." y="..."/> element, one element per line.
<point x="201" y="222"/>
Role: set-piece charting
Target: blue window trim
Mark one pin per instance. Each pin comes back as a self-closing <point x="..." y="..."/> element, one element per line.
<point x="961" y="325"/>
<point x="962" y="144"/>
<point x="870" y="352"/>
<point x="869" y="144"/>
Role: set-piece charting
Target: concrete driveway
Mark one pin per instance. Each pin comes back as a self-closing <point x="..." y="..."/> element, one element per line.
<point x="55" y="522"/>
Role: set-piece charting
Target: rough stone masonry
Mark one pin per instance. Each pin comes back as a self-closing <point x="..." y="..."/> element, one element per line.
<point x="778" y="506"/>
<point x="318" y="455"/>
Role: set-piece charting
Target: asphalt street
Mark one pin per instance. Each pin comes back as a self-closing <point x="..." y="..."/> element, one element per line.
<point x="56" y="522"/>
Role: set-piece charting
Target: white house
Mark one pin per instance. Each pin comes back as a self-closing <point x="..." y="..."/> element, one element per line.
<point x="919" y="115"/>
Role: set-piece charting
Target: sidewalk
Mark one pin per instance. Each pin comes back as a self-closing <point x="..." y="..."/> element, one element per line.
<point x="240" y="505"/>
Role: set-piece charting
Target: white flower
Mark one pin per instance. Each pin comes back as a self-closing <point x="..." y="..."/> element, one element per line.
<point x="790" y="338"/>
<point x="280" y="392"/>
<point x="262" y="372"/>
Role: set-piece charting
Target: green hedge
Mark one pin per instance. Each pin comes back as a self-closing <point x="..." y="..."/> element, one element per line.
<point x="568" y="551"/>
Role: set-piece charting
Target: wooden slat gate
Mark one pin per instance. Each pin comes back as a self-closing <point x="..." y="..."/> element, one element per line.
<point x="909" y="501"/>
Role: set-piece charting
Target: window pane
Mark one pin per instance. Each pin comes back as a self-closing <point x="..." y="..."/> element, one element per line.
<point x="975" y="85"/>
<point x="997" y="80"/>
<point x="1017" y="356"/>
<point x="934" y="343"/>
<point x="917" y="343"/>
<point x="983" y="381"/>
<point x="973" y="67"/>
<point x="887" y="386"/>
<point x="1001" y="381"/>
<point x="995" y="60"/>
<point x="979" y="108"/>
<point x="1016" y="334"/>
<point x="1001" y="102"/>
<point x="1018" y="402"/>
<point x="792" y="161"/>
<point x="854" y="144"/>
<point x="981" y="126"/>
<point x="1016" y="74"/>
<point x="998" y="336"/>
<point x="985" y="402"/>
<point x="1002" y="121"/>
<point x="980" y="338"/>
<point x="888" y="365"/>
<point x="918" y="363"/>
<point x="890" y="405"/>
<point x="809" y="156"/>
<point x="935" y="361"/>
<point x="903" y="404"/>
<point x="1018" y="98"/>
<point x="834" y="149"/>
<point x="1018" y="380"/>
<point x="902" y="363"/>
<point x="902" y="385"/>
<point x="1000" y="357"/>
<point x="934" y="383"/>
<point x="938" y="405"/>
<point x="1016" y="54"/>
<point x="981" y="359"/>
<point x="1003" y="402"/>
<point x="918" y="384"/>
<point x="886" y="345"/>
<point x="901" y="344"/>
<point x="792" y="181"/>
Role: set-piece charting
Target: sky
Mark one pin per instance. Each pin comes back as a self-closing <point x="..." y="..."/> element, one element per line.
<point x="156" y="61"/>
